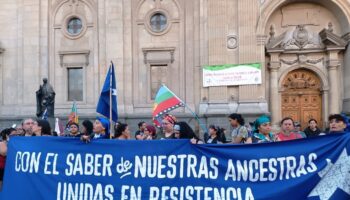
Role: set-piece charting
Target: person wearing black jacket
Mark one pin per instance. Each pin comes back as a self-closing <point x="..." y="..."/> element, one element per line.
<point x="312" y="130"/>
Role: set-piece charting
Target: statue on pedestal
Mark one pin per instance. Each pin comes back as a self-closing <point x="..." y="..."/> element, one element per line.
<point x="45" y="99"/>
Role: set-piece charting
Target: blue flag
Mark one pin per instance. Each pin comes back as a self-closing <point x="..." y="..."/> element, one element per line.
<point x="103" y="106"/>
<point x="45" y="115"/>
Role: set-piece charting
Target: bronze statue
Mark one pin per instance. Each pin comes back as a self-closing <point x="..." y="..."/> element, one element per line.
<point x="45" y="99"/>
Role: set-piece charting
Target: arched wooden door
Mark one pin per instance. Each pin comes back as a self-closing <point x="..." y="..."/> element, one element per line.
<point x="301" y="97"/>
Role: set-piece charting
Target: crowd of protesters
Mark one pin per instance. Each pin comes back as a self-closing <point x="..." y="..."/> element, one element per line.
<point x="258" y="132"/>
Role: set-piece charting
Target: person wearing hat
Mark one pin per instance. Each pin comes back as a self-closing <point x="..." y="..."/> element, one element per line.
<point x="262" y="130"/>
<point x="337" y="123"/>
<point x="100" y="130"/>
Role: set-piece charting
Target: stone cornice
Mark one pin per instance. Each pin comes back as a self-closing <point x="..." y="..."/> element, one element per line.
<point x="332" y="41"/>
<point x="82" y="52"/>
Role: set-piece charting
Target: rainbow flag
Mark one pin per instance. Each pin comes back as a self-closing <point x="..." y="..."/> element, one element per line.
<point x="164" y="102"/>
<point x="73" y="116"/>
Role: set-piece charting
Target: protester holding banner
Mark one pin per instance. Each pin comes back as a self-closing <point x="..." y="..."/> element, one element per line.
<point x="168" y="123"/>
<point x="262" y="130"/>
<point x="239" y="133"/>
<point x="3" y="150"/>
<point x="74" y="130"/>
<point x="41" y="128"/>
<point x="151" y="132"/>
<point x="139" y="133"/>
<point x="87" y="127"/>
<point x="27" y="125"/>
<point x="122" y="132"/>
<point x="337" y="123"/>
<point x="287" y="130"/>
<point x="215" y="135"/>
<point x="100" y="130"/>
<point x="312" y="130"/>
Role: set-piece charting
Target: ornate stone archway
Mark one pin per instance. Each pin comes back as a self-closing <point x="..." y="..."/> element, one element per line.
<point x="301" y="96"/>
<point x="298" y="40"/>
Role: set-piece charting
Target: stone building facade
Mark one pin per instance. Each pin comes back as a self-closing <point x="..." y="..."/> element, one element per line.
<point x="302" y="46"/>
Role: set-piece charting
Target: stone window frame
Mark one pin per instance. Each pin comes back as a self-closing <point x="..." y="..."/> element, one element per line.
<point x="147" y="21"/>
<point x="66" y="66"/>
<point x="167" y="62"/>
<point x="65" y="24"/>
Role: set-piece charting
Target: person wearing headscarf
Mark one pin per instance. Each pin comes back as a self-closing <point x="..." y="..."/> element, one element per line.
<point x="100" y="130"/>
<point x="168" y="123"/>
<point x="262" y="130"/>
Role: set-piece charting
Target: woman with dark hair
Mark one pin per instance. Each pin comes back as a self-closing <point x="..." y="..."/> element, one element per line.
<point x="41" y="128"/>
<point x="239" y="133"/>
<point x="186" y="132"/>
<point x="215" y="135"/>
<point x="312" y="130"/>
<point x="87" y="127"/>
<point x="122" y="132"/>
<point x="262" y="130"/>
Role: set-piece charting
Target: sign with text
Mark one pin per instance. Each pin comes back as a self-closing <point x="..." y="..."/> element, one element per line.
<point x="69" y="169"/>
<point x="229" y="74"/>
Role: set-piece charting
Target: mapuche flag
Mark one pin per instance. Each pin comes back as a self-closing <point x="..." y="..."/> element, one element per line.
<point x="73" y="116"/>
<point x="164" y="102"/>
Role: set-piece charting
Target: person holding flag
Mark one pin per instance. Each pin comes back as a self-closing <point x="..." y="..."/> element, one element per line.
<point x="107" y="104"/>
<point x="166" y="101"/>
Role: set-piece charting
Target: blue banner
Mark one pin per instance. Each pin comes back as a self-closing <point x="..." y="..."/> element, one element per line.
<point x="69" y="169"/>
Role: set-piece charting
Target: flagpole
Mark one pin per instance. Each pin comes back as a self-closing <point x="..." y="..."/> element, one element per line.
<point x="186" y="106"/>
<point x="110" y="100"/>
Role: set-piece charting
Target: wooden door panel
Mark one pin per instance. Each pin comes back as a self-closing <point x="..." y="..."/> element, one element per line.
<point x="301" y="99"/>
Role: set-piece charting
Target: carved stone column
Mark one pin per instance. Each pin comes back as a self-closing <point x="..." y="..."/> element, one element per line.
<point x="334" y="91"/>
<point x="274" y="98"/>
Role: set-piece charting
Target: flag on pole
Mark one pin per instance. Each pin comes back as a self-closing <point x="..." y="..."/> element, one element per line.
<point x="58" y="127"/>
<point x="73" y="116"/>
<point x="164" y="102"/>
<point x="109" y="90"/>
<point x="45" y="115"/>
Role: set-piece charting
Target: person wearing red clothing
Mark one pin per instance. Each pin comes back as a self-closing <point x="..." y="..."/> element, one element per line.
<point x="287" y="130"/>
<point x="3" y="150"/>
